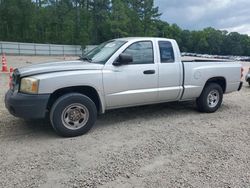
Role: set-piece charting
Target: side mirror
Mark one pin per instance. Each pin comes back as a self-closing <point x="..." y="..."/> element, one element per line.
<point x="123" y="59"/>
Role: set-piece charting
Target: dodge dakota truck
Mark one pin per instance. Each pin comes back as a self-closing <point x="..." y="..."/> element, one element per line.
<point x="118" y="73"/>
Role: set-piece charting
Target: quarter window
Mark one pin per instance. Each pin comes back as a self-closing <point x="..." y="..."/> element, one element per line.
<point x="142" y="52"/>
<point x="166" y="52"/>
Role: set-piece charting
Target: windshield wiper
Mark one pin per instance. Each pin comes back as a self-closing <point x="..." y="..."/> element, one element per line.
<point x="85" y="58"/>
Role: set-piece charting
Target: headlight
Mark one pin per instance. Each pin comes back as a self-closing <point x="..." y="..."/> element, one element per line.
<point x="29" y="85"/>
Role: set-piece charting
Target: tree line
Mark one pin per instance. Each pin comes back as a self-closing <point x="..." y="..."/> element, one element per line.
<point x="94" y="21"/>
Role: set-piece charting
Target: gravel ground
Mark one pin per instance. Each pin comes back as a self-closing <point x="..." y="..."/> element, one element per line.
<point x="166" y="145"/>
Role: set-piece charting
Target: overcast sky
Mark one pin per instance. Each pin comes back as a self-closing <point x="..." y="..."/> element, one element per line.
<point x="232" y="15"/>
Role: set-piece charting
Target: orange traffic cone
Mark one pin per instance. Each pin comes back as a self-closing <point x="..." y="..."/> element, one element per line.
<point x="10" y="81"/>
<point x="4" y="64"/>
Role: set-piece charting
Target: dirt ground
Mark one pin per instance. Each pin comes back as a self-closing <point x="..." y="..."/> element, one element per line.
<point x="166" y="145"/>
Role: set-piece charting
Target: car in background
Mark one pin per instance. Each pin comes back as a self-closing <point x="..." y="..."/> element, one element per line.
<point x="248" y="77"/>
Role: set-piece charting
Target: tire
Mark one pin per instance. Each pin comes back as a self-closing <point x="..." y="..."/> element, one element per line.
<point x="73" y="114"/>
<point x="210" y="99"/>
<point x="249" y="83"/>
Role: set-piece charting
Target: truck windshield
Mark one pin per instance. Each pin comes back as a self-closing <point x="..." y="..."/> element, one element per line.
<point x="103" y="52"/>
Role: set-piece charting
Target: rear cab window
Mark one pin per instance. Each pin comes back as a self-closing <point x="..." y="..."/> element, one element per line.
<point x="166" y="52"/>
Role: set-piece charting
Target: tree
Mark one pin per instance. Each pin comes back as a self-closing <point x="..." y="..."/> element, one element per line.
<point x="100" y="10"/>
<point x="214" y="39"/>
<point x="148" y="15"/>
<point x="119" y="19"/>
<point x="186" y="41"/>
<point x="16" y="24"/>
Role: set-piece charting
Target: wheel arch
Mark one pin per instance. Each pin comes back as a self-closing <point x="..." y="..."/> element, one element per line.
<point x="86" y="90"/>
<point x="218" y="80"/>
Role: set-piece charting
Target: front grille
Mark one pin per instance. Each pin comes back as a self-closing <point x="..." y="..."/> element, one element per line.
<point x="15" y="80"/>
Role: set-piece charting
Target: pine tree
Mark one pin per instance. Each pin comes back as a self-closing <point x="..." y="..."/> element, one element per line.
<point x="119" y="19"/>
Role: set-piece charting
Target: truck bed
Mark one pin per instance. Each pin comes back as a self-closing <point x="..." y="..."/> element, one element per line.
<point x="195" y="59"/>
<point x="198" y="71"/>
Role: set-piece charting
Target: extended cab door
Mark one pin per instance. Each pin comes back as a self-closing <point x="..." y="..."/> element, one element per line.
<point x="170" y="71"/>
<point x="135" y="83"/>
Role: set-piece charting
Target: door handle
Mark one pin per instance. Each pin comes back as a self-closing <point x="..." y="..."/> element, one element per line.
<point x="149" y="72"/>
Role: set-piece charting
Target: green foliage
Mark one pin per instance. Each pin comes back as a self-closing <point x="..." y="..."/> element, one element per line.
<point x="94" y="21"/>
<point x="119" y="19"/>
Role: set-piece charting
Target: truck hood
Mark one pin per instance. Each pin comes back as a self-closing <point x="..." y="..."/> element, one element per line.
<point x="58" y="67"/>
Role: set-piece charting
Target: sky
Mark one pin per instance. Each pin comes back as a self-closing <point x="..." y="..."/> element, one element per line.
<point x="231" y="15"/>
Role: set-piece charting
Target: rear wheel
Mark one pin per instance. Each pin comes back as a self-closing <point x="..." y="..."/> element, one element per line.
<point x="73" y="114"/>
<point x="210" y="99"/>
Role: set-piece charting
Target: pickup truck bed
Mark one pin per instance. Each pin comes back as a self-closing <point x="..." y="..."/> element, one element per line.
<point x="200" y="59"/>
<point x="199" y="72"/>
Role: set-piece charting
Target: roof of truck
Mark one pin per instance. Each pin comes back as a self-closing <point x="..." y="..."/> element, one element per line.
<point x="142" y="38"/>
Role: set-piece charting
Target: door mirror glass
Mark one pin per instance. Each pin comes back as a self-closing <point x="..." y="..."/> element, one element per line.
<point x="123" y="59"/>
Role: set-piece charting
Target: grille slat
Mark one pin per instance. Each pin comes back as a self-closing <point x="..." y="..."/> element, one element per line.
<point x="15" y="80"/>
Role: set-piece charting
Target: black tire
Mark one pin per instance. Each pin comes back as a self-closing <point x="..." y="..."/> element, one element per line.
<point x="63" y="104"/>
<point x="249" y="83"/>
<point x="202" y="102"/>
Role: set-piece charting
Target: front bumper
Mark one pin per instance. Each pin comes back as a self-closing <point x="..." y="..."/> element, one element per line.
<point x="248" y="77"/>
<point x="26" y="106"/>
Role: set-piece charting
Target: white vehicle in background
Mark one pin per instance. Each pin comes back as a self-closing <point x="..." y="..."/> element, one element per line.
<point x="119" y="73"/>
<point x="248" y="77"/>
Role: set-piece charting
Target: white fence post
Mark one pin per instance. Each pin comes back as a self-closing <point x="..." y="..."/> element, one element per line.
<point x="49" y="50"/>
<point x="19" y="48"/>
<point x="35" y="48"/>
<point x="1" y="48"/>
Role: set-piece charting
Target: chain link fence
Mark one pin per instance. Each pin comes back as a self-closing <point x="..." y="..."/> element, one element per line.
<point x="16" y="48"/>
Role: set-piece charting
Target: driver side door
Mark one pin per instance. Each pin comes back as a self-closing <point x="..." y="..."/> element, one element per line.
<point x="135" y="83"/>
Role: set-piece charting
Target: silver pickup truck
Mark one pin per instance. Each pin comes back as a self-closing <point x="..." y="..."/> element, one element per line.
<point x="119" y="73"/>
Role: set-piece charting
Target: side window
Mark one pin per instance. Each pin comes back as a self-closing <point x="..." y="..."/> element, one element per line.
<point x="142" y="52"/>
<point x="166" y="52"/>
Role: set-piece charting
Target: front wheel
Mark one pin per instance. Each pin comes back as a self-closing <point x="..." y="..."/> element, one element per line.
<point x="210" y="99"/>
<point x="73" y="114"/>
